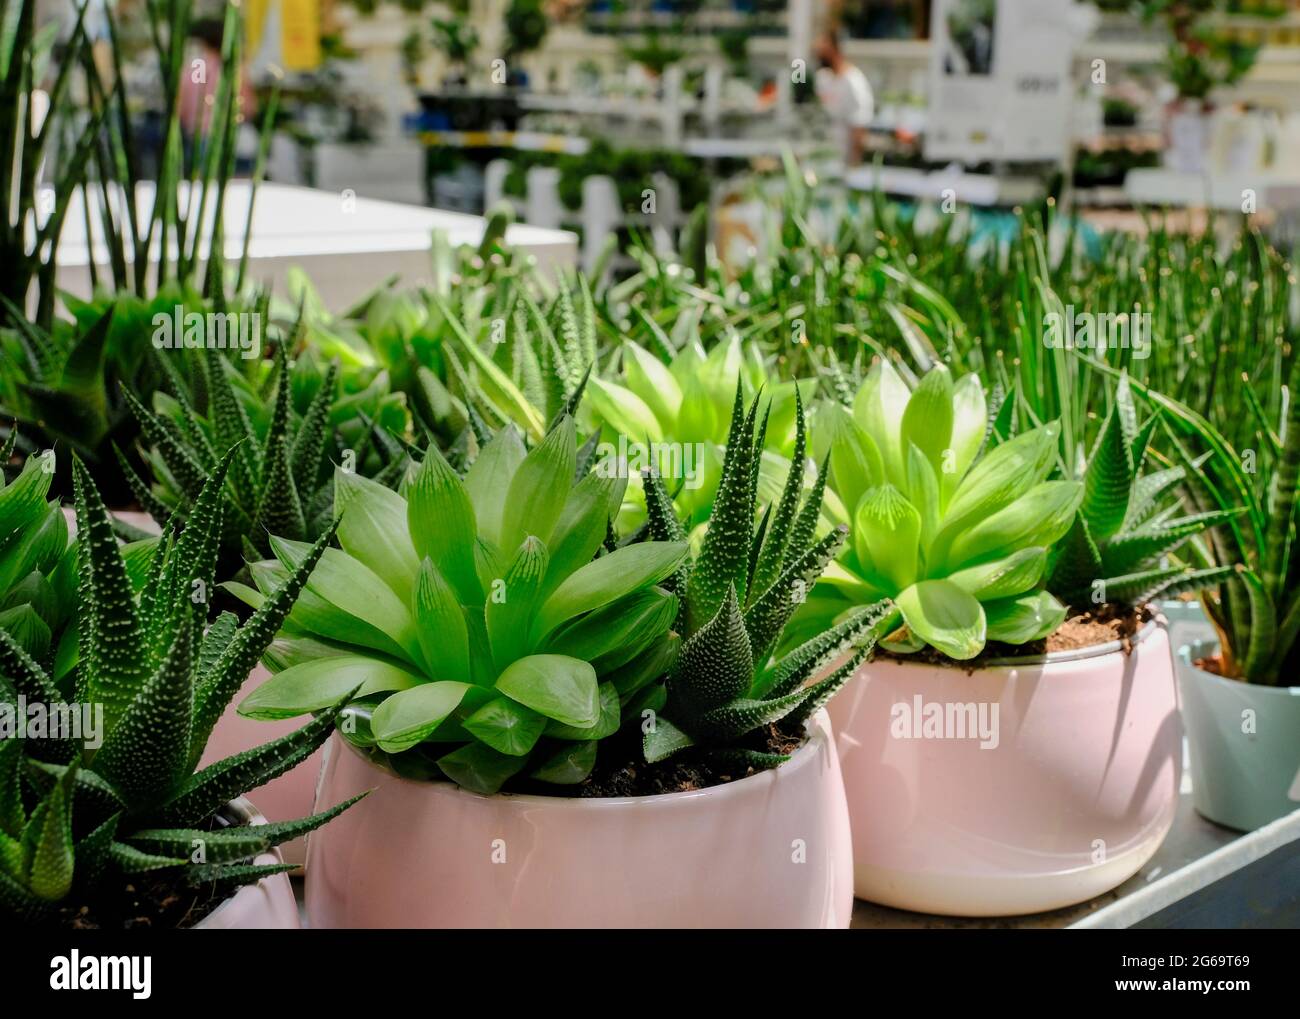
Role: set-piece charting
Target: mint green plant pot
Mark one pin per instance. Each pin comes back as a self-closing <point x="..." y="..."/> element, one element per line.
<point x="1244" y="743"/>
<point x="1187" y="622"/>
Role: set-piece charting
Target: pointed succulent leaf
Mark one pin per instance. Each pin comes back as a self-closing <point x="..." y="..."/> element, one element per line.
<point x="540" y="487"/>
<point x="248" y="645"/>
<point x="47" y="842"/>
<point x="513" y="601"/>
<point x="887" y="535"/>
<point x="308" y="455"/>
<point x="716" y="664"/>
<point x="353" y="588"/>
<point x="1040" y="517"/>
<point x="1023" y="618"/>
<point x="1108" y="482"/>
<point x="766" y="618"/>
<point x="569" y="765"/>
<point x="864" y="627"/>
<point x="373" y="530"/>
<point x="317" y="684"/>
<point x="557" y="686"/>
<point x="506" y="726"/>
<point x="772" y="553"/>
<point x="113" y="656"/>
<point x="591" y="505"/>
<point x="488" y="480"/>
<point x="723" y="562"/>
<point x="605" y="580"/>
<point x="663" y="739"/>
<point x="944" y="616"/>
<point x="146" y="751"/>
<point x="203" y="793"/>
<point x="479" y="768"/>
<point x="442" y="524"/>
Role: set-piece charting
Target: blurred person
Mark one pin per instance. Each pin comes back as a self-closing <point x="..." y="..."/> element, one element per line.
<point x="200" y="82"/>
<point x="846" y="95"/>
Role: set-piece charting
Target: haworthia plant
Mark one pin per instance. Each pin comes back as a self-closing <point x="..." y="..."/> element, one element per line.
<point x="1129" y="524"/>
<point x="279" y="480"/>
<point x="81" y="812"/>
<point x="958" y="540"/>
<point x="738" y="594"/>
<point x="493" y="633"/>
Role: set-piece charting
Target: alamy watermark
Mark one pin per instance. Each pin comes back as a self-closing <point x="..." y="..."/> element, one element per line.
<point x="193" y="330"/>
<point x="1083" y="330"/>
<point x="674" y="460"/>
<point x="80" y="722"/>
<point x="946" y="720"/>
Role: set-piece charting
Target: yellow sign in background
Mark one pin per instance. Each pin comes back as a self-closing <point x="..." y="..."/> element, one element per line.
<point x="300" y="26"/>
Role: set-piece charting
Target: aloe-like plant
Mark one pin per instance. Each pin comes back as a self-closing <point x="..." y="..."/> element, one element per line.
<point x="738" y="594"/>
<point x="1253" y="491"/>
<point x="82" y="813"/>
<point x="494" y="632"/>
<point x="958" y="540"/>
<point x="279" y="481"/>
<point x="1128" y="525"/>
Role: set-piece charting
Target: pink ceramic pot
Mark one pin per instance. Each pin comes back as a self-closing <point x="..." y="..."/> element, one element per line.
<point x="286" y="798"/>
<point x="771" y="850"/>
<point x="1073" y="791"/>
<point x="267" y="905"/>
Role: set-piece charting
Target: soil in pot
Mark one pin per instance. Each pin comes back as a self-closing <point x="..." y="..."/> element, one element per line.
<point x="158" y="900"/>
<point x="622" y="771"/>
<point x="141" y="902"/>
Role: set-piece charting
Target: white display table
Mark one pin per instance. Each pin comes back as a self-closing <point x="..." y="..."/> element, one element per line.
<point x="347" y="245"/>
<point x="1224" y="191"/>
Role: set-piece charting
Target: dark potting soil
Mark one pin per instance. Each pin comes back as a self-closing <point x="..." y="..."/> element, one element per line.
<point x="140" y="902"/>
<point x="1101" y="625"/>
<point x="621" y="770"/>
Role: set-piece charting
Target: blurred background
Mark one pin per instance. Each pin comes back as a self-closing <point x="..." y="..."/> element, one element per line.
<point x="628" y="117"/>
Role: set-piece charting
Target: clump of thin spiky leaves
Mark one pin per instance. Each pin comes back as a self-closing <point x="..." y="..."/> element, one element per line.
<point x="37" y="565"/>
<point x="960" y="541"/>
<point x="495" y="633"/>
<point x="1118" y="550"/>
<point x="738" y="595"/>
<point x="81" y="812"/>
<point x="279" y="481"/>
<point x="63" y="376"/>
<point x="1256" y="606"/>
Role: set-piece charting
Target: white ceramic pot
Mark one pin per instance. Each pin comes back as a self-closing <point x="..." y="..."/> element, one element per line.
<point x="771" y="850"/>
<point x="1244" y="744"/>
<point x="267" y="905"/>
<point x="1067" y="787"/>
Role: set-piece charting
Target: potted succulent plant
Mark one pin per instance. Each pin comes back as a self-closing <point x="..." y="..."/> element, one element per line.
<point x="513" y="716"/>
<point x="279" y="482"/>
<point x="1240" y="700"/>
<point x="104" y="820"/>
<point x="998" y="761"/>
